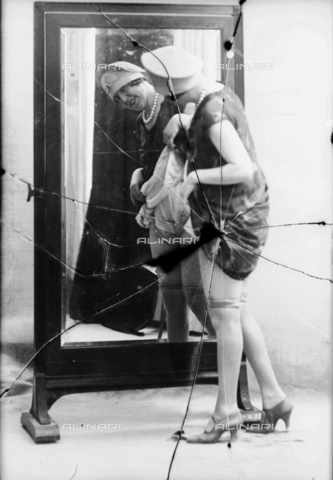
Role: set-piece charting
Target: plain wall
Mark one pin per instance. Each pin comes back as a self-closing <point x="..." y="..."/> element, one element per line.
<point x="289" y="108"/>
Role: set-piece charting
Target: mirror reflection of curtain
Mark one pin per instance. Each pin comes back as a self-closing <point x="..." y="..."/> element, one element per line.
<point x="78" y="120"/>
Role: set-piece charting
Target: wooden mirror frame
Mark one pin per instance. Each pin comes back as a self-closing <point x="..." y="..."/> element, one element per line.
<point x="73" y="368"/>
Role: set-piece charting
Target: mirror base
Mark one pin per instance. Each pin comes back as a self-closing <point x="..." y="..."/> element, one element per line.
<point x="40" y="433"/>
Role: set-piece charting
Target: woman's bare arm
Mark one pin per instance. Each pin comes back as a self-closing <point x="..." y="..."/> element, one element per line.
<point x="239" y="166"/>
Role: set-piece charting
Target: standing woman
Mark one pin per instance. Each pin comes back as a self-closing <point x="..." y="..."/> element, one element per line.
<point x="226" y="187"/>
<point x="126" y="85"/>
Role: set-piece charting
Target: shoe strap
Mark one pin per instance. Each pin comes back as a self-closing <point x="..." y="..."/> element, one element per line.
<point x="226" y="421"/>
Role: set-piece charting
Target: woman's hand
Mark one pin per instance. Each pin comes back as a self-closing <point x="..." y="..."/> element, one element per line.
<point x="137" y="181"/>
<point x="189" y="186"/>
<point x="173" y="127"/>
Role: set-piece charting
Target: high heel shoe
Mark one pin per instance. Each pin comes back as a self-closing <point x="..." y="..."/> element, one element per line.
<point x="270" y="416"/>
<point x="230" y="424"/>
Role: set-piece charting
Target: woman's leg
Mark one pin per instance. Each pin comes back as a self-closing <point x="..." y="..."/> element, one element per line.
<point x="174" y="298"/>
<point x="257" y="355"/>
<point x="197" y="301"/>
<point x="223" y="294"/>
<point x="195" y="292"/>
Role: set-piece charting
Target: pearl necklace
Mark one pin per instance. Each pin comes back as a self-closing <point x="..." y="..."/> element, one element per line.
<point x="202" y="96"/>
<point x="149" y="119"/>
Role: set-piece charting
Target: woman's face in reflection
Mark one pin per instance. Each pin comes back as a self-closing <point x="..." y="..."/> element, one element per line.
<point x="133" y="95"/>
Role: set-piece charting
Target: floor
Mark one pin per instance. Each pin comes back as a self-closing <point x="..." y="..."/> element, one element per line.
<point x="83" y="332"/>
<point x="98" y="333"/>
<point x="126" y="435"/>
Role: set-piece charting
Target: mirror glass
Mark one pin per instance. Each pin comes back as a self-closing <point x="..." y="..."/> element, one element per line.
<point x="102" y="242"/>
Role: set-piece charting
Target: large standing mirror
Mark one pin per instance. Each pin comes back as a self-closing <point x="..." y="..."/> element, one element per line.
<point x="97" y="308"/>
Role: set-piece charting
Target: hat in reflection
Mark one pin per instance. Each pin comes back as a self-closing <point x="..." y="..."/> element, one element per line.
<point x="118" y="75"/>
<point x="181" y="66"/>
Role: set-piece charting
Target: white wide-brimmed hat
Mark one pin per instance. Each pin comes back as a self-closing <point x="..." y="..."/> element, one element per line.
<point x="173" y="62"/>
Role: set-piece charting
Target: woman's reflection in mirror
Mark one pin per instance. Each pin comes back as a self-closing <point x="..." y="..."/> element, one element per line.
<point x="154" y="189"/>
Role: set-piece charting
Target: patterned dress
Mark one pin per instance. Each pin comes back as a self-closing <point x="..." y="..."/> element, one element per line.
<point x="244" y="213"/>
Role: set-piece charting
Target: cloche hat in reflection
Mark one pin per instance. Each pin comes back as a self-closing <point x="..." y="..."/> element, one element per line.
<point x="181" y="66"/>
<point x="119" y="74"/>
